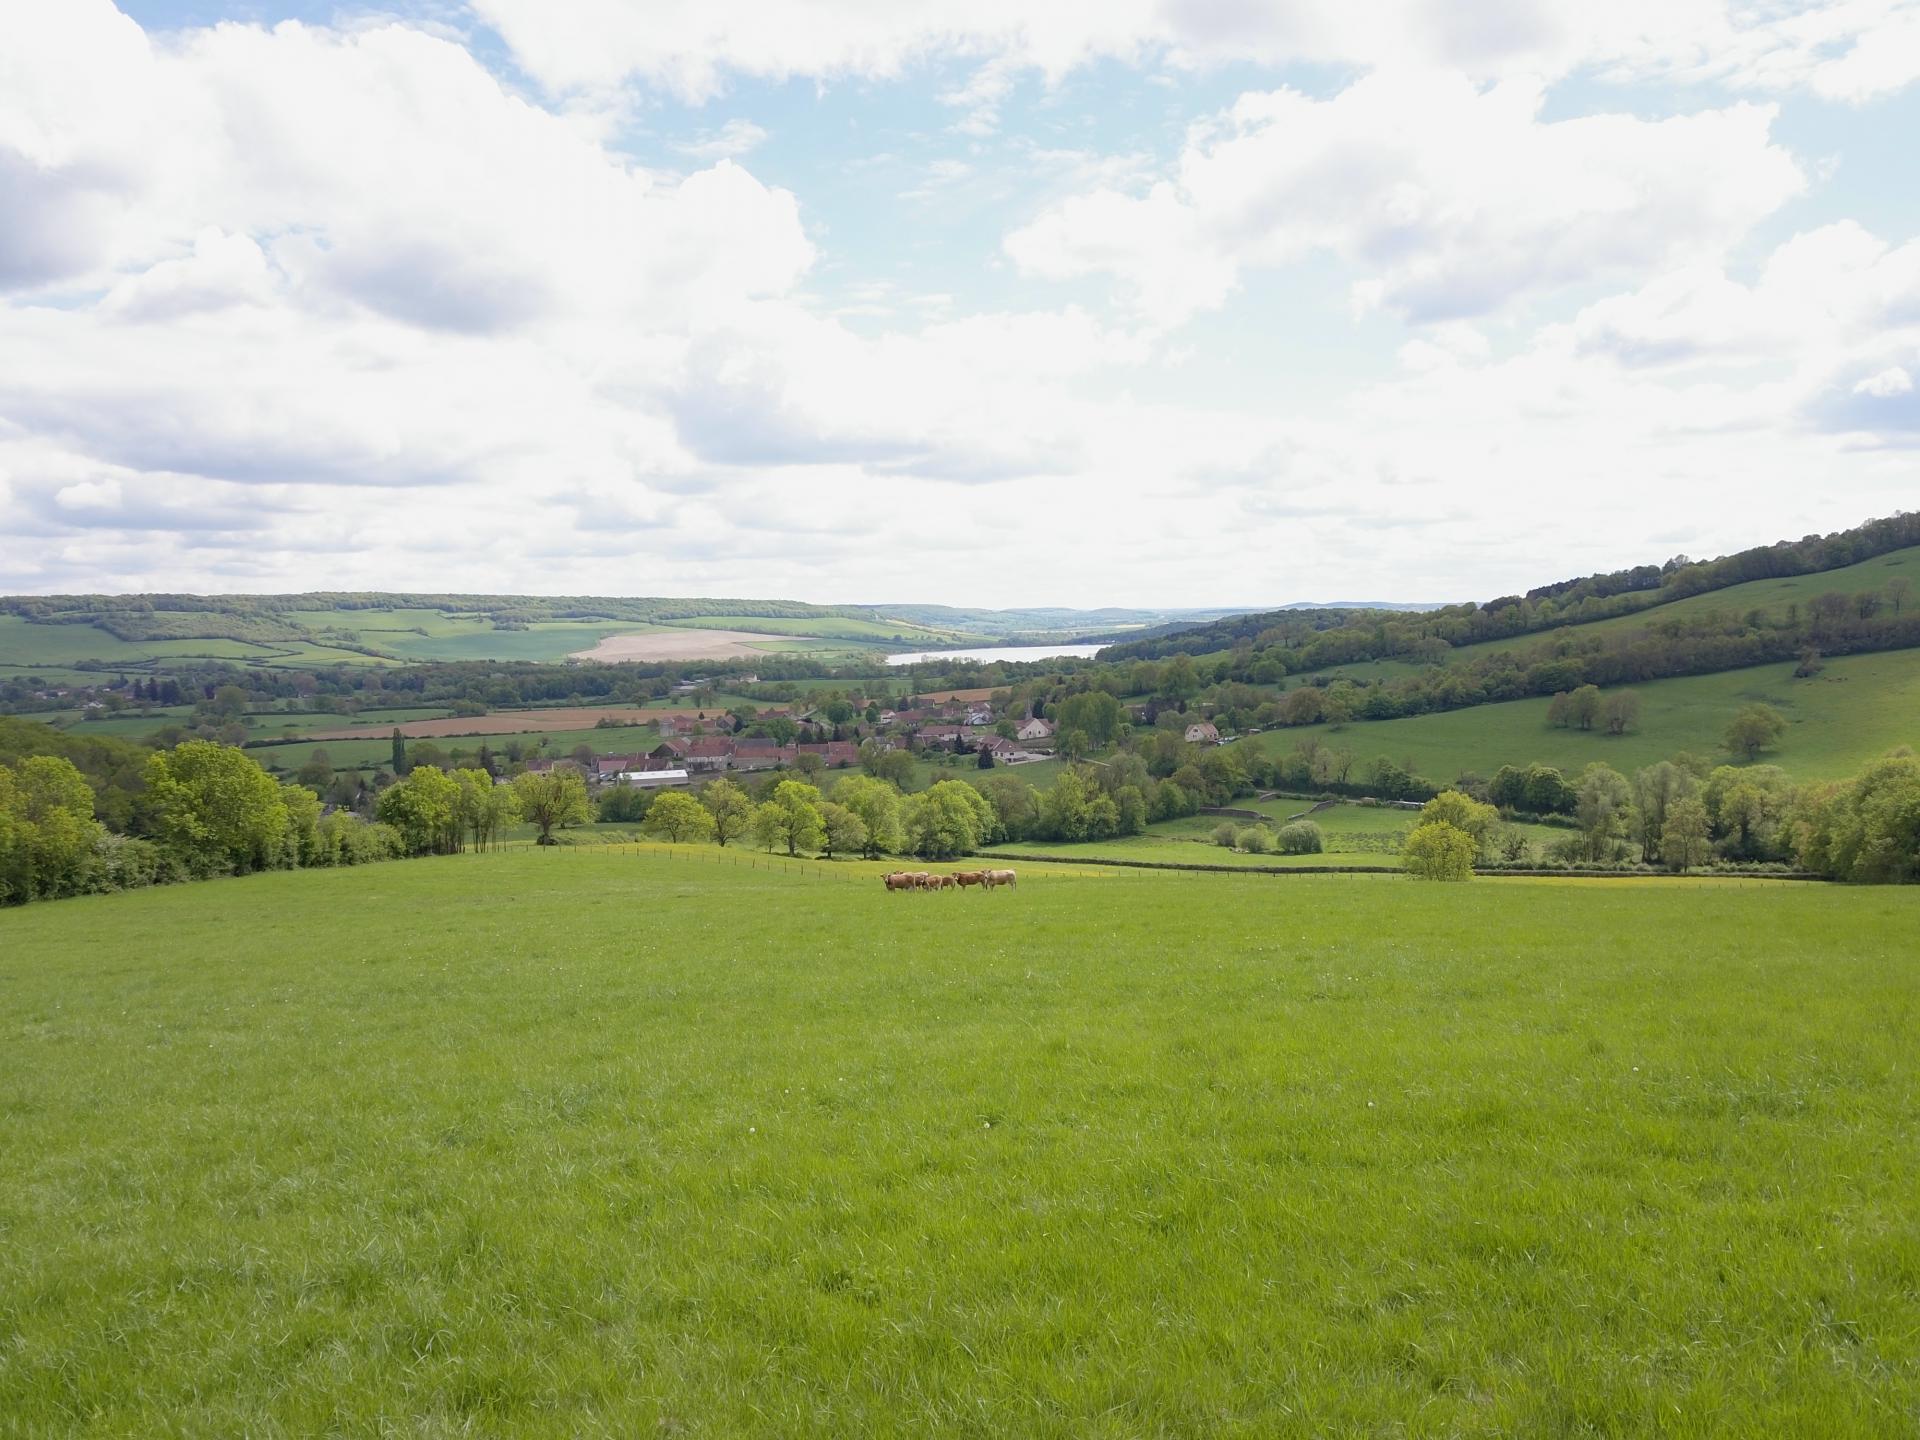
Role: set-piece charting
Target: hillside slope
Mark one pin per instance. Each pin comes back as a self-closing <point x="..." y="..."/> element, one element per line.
<point x="1855" y="710"/>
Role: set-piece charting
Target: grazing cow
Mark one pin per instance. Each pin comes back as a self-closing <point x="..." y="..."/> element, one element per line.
<point x="998" y="877"/>
<point x="898" y="880"/>
<point x="943" y="882"/>
<point x="921" y="879"/>
<point x="965" y="878"/>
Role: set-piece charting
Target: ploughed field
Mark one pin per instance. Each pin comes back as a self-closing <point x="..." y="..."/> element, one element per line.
<point x="594" y="1142"/>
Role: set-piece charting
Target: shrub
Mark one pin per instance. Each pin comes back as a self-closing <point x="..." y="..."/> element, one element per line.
<point x="1255" y="840"/>
<point x="1225" y="836"/>
<point x="1302" y="837"/>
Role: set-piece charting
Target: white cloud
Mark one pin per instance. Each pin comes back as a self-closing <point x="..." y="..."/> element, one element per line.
<point x="1853" y="50"/>
<point x="314" y="306"/>
<point x="1884" y="385"/>
<point x="730" y="141"/>
<point x="1445" y="198"/>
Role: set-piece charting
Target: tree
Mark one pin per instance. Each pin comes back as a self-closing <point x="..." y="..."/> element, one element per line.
<point x="1621" y="712"/>
<point x="730" y="808"/>
<point x="949" y="820"/>
<point x="678" y="817"/>
<point x="1899" y="591"/>
<point x="791" y="818"/>
<point x="214" y="808"/>
<point x="894" y="766"/>
<point x="1656" y="790"/>
<point x="48" y="836"/>
<point x="1757" y="727"/>
<point x="317" y="773"/>
<point x="877" y="805"/>
<point x="1684" y="840"/>
<point x="1435" y="850"/>
<point x="1547" y="791"/>
<point x="556" y="799"/>
<point x="399" y="761"/>
<point x="425" y="809"/>
<point x="1748" y="807"/>
<point x="1602" y="807"/>
<point x="483" y="807"/>
<point x="1583" y="707"/>
<point x="1867" y="830"/>
<point x="844" y="830"/>
<point x="1464" y="814"/>
<point x="1095" y="713"/>
<point x="300" y="842"/>
<point x="809" y="765"/>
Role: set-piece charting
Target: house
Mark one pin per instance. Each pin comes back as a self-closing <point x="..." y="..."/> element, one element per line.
<point x="834" y="754"/>
<point x="703" y="754"/>
<point x="997" y="746"/>
<point x="763" y="755"/>
<point x="1202" y="732"/>
<point x="1034" y="729"/>
<point x="979" y="714"/>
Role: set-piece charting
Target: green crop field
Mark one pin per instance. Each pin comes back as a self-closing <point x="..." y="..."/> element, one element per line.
<point x="1771" y="597"/>
<point x="1855" y="710"/>
<point x="607" y="1143"/>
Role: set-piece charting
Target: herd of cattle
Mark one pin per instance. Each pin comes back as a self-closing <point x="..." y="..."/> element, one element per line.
<point x="923" y="880"/>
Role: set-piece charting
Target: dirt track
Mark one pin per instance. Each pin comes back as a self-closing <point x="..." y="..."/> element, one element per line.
<point x="683" y="645"/>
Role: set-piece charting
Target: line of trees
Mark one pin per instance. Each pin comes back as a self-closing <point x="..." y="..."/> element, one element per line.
<point x="205" y="809"/>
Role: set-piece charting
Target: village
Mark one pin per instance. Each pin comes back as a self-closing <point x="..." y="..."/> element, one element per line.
<point x="809" y="740"/>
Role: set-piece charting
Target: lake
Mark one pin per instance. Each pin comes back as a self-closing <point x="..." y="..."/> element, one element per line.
<point x="987" y="655"/>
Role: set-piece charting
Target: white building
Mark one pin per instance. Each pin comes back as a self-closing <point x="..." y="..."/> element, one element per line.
<point x="651" y="779"/>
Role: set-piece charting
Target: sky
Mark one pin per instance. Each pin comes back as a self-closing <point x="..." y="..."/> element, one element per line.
<point x="975" y="302"/>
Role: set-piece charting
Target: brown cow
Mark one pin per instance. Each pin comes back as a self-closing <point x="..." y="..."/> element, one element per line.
<point x="943" y="882"/>
<point x="965" y="878"/>
<point x="898" y="880"/>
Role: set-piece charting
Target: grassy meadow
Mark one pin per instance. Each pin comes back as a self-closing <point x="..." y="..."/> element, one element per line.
<point x="1353" y="834"/>
<point x="1853" y="711"/>
<point x="597" y="1142"/>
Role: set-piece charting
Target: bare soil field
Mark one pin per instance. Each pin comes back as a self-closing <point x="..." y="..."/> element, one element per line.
<point x="975" y="694"/>
<point x="685" y="645"/>
<point x="505" y="722"/>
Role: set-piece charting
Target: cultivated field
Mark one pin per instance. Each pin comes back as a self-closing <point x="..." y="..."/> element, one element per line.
<point x="599" y="1143"/>
<point x="689" y="645"/>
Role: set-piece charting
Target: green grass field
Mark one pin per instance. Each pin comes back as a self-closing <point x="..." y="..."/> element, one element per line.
<point x="1354" y="835"/>
<point x="604" y="1143"/>
<point x="1854" y="711"/>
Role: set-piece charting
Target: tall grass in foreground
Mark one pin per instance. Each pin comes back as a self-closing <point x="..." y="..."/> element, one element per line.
<point x="600" y="1143"/>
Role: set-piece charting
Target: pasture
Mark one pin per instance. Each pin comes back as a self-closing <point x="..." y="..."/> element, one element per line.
<point x="600" y="1142"/>
<point x="1853" y="711"/>
<point x="1353" y="834"/>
